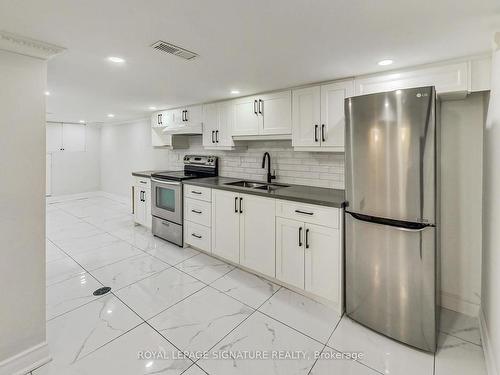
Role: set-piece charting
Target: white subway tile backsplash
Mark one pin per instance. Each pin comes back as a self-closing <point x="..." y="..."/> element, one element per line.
<point x="303" y="168"/>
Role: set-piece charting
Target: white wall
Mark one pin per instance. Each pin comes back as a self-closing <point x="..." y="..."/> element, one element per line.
<point x="127" y="147"/>
<point x="490" y="302"/>
<point x="461" y="207"/>
<point x="78" y="171"/>
<point x="22" y="204"/>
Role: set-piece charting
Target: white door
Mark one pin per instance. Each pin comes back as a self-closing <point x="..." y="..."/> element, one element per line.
<point x="54" y="137"/>
<point x="290" y="251"/>
<point x="322" y="262"/>
<point x="276" y="108"/>
<point x="224" y="135"/>
<point x="210" y="124"/>
<point x="226" y="225"/>
<point x="257" y="233"/>
<point x="332" y="113"/>
<point x="194" y="114"/>
<point x="247" y="120"/>
<point x="306" y="116"/>
<point x="140" y="209"/>
<point x="74" y="137"/>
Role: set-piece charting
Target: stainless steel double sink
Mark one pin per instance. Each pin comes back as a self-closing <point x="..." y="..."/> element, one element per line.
<point x="257" y="185"/>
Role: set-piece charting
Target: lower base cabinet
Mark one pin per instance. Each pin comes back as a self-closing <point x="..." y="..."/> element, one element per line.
<point x="142" y="202"/>
<point x="243" y="230"/>
<point x="308" y="256"/>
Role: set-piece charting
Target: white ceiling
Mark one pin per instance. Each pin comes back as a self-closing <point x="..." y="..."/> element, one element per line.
<point x="252" y="46"/>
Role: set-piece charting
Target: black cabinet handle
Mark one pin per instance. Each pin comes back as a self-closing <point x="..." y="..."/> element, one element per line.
<point x="236" y="204"/>
<point x="196" y="211"/>
<point x="186" y="115"/>
<point x="261" y="107"/>
<point x="304" y="212"/>
<point x="160" y="118"/>
<point x="195" y="235"/>
<point x="241" y="210"/>
<point x="213" y="133"/>
<point x="300" y="236"/>
<point x="323" y="133"/>
<point x="196" y="192"/>
<point x="315" y="133"/>
<point x="255" y="107"/>
<point x="307" y="238"/>
<point x="143" y="182"/>
<point x="216" y="136"/>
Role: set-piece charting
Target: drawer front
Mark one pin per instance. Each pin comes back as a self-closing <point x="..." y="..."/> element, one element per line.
<point x="309" y="213"/>
<point x="199" y="212"/>
<point x="197" y="235"/>
<point x="197" y="192"/>
<point x="142" y="181"/>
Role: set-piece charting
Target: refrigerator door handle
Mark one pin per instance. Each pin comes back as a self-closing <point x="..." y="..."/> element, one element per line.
<point x="406" y="226"/>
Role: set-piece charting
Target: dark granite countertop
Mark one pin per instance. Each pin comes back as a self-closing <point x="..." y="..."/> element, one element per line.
<point x="298" y="193"/>
<point x="146" y="174"/>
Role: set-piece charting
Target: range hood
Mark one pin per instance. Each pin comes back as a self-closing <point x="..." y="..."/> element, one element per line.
<point x="185" y="129"/>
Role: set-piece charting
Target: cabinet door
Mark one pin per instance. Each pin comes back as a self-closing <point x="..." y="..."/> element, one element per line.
<point x="306" y="116"/>
<point x="332" y="113"/>
<point x="247" y="120"/>
<point x="177" y="116"/>
<point x="74" y="137"/>
<point x="322" y="262"/>
<point x="140" y="209"/>
<point x="54" y="137"/>
<point x="226" y="225"/>
<point x="194" y="114"/>
<point x="210" y="124"/>
<point x="290" y="251"/>
<point x="257" y="233"/>
<point x="276" y="108"/>
<point x="224" y="134"/>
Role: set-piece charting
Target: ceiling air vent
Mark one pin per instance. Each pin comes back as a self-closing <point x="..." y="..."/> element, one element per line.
<point x="173" y="50"/>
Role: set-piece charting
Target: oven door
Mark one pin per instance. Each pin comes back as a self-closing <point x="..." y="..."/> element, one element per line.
<point x="166" y="200"/>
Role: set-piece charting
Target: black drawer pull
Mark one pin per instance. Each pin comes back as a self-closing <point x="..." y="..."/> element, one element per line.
<point x="307" y="238"/>
<point x="300" y="236"/>
<point x="195" y="235"/>
<point x="196" y="211"/>
<point x="304" y="212"/>
<point x="195" y="192"/>
<point x="143" y="182"/>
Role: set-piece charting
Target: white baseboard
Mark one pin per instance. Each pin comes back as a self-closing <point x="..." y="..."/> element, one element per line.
<point x="455" y="303"/>
<point x="491" y="366"/>
<point x="26" y="361"/>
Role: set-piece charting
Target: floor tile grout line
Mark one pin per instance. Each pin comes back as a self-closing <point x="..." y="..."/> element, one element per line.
<point x="238" y="325"/>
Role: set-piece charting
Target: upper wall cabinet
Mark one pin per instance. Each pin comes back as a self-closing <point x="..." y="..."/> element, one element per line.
<point x="66" y="137"/>
<point x="318" y="117"/>
<point x="264" y="115"/>
<point x="450" y="80"/>
<point x="188" y="115"/>
<point x="218" y="121"/>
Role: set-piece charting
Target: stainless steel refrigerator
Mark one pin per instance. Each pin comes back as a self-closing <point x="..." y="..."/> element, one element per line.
<point x="391" y="219"/>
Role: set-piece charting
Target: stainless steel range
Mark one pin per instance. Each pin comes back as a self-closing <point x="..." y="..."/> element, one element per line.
<point x="167" y="195"/>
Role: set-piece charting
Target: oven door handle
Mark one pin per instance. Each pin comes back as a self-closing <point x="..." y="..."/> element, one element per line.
<point x="166" y="182"/>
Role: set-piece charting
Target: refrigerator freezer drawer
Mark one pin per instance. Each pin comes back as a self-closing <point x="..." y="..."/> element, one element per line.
<point x="390" y="280"/>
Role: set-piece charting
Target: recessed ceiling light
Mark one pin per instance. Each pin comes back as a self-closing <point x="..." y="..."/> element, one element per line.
<point x="152" y="108"/>
<point x="116" y="59"/>
<point x="47" y="93"/>
<point x="235" y="92"/>
<point x="385" y="62"/>
<point x="82" y="121"/>
<point x="111" y="115"/>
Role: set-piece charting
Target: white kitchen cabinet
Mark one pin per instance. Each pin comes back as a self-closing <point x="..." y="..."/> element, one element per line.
<point x="290" y="252"/>
<point x="322" y="262"/>
<point x="218" y="125"/>
<point x="162" y="119"/>
<point x="451" y="80"/>
<point x="142" y="201"/>
<point x="257" y="233"/>
<point x="318" y="117"/>
<point x="66" y="137"/>
<point x="226" y="225"/>
<point x="243" y="230"/>
<point x="308" y="255"/>
<point x="186" y="116"/>
<point x="263" y="115"/>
